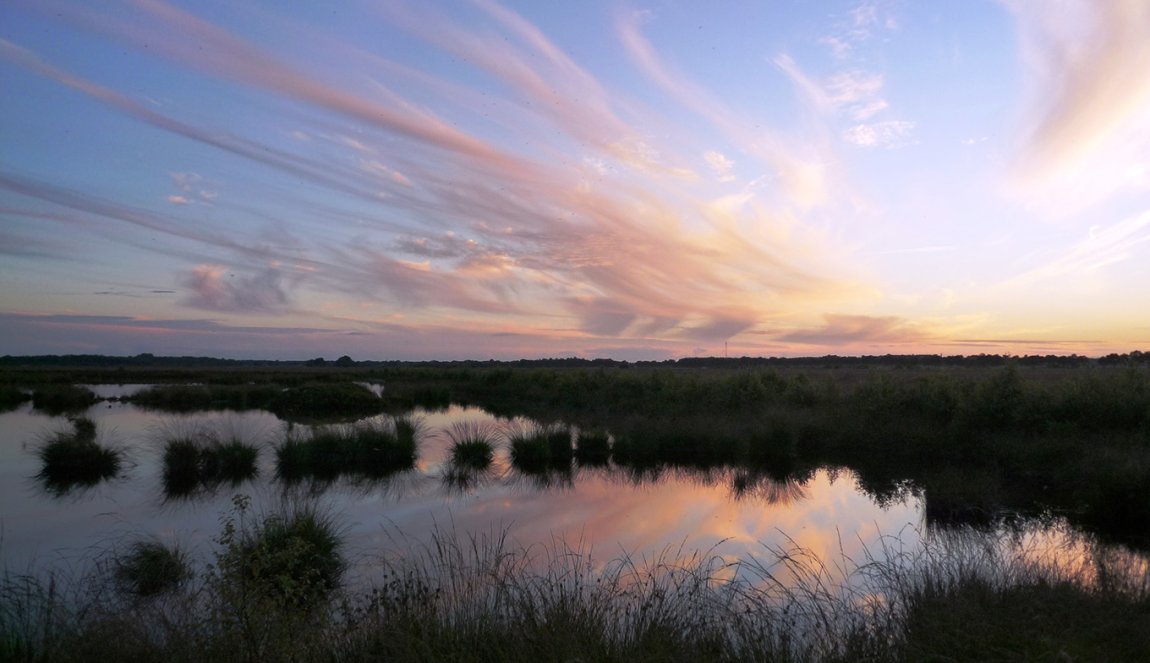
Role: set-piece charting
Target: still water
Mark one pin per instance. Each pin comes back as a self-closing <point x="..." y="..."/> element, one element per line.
<point x="606" y="511"/>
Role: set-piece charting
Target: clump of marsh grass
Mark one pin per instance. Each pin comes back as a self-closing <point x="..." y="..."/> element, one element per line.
<point x="62" y="399"/>
<point x="150" y="568"/>
<point x="593" y="448"/>
<point x="472" y="444"/>
<point x="366" y="450"/>
<point x="324" y="401"/>
<point x="198" y="459"/>
<point x="530" y="453"/>
<point x="559" y="444"/>
<point x="74" y="459"/>
<point x="538" y="449"/>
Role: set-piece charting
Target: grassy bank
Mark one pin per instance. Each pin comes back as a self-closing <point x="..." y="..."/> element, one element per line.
<point x="274" y="592"/>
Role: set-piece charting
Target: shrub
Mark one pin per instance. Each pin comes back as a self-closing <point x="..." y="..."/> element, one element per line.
<point x="294" y="557"/>
<point x="150" y="568"/>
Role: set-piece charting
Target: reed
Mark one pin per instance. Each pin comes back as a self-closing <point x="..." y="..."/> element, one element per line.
<point x="472" y="444"/>
<point x="369" y="449"/>
<point x="74" y="459"/>
<point x="197" y="460"/>
<point x="150" y="568"/>
<point x="276" y="592"/>
<point x="593" y="448"/>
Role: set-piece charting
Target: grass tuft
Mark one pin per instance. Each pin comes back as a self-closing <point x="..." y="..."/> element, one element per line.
<point x="199" y="460"/>
<point x="150" y="568"/>
<point x="366" y="450"/>
<point x="472" y="444"/>
<point x="74" y="459"/>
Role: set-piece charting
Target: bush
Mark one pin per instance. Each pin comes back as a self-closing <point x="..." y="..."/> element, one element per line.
<point x="294" y="557"/>
<point x="150" y="568"/>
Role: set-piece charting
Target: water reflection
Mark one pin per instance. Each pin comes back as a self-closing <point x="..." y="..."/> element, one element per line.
<point x="752" y="485"/>
<point x="583" y="492"/>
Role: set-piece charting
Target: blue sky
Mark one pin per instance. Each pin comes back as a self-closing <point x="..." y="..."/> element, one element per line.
<point x="635" y="180"/>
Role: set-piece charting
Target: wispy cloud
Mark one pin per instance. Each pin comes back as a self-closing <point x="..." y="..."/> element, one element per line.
<point x="803" y="177"/>
<point x="621" y="239"/>
<point x="859" y="331"/>
<point x="858" y="25"/>
<point x="1103" y="246"/>
<point x="1087" y="129"/>
<point x="855" y="95"/>
<point x="720" y="164"/>
<point x="892" y="134"/>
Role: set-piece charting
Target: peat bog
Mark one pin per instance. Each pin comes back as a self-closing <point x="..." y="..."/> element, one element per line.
<point x="995" y="459"/>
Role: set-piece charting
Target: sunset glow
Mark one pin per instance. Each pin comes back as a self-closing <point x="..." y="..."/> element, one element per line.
<point x="635" y="180"/>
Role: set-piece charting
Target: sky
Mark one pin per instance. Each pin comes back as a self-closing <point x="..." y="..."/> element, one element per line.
<point x="644" y="179"/>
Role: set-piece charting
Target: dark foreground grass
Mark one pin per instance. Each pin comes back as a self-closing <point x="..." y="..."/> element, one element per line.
<point x="274" y="593"/>
<point x="150" y="568"/>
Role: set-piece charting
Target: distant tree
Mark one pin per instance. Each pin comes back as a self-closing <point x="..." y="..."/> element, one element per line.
<point x="344" y="361"/>
<point x="318" y="361"/>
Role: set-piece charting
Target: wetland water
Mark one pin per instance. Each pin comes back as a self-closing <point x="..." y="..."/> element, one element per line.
<point x="607" y="510"/>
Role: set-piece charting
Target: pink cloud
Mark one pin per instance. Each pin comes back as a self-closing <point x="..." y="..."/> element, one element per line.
<point x="216" y="288"/>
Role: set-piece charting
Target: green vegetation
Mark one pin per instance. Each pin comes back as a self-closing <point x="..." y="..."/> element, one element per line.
<point x="150" y="568"/>
<point x="593" y="448"/>
<point x="326" y="402"/>
<point x="980" y="444"/>
<point x="12" y="397"/>
<point x="73" y="459"/>
<point x="529" y="449"/>
<point x="191" y="398"/>
<point x="538" y="448"/>
<point x="275" y="592"/>
<point x="62" y="399"/>
<point x="366" y="450"/>
<point x="472" y="445"/>
<point x="199" y="460"/>
<point x="293" y="558"/>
